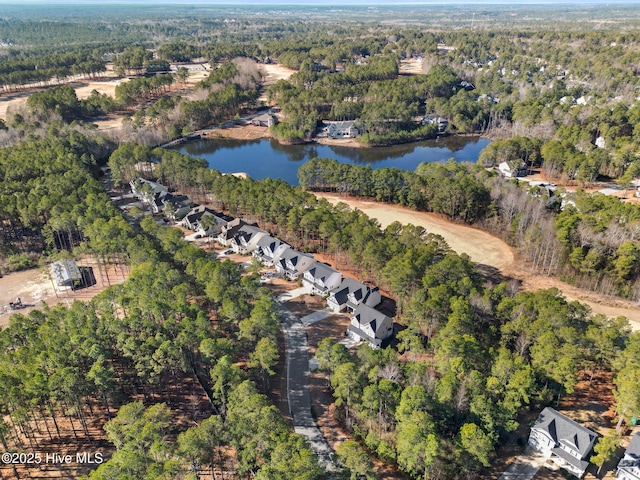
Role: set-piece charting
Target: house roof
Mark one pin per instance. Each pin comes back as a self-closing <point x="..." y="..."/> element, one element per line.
<point x="366" y="315"/>
<point x="563" y="430"/>
<point x="65" y="271"/>
<point x="349" y="286"/>
<point x="631" y="457"/>
<point x="293" y="256"/>
<point x="269" y="242"/>
<point x="576" y="462"/>
<point x="320" y="271"/>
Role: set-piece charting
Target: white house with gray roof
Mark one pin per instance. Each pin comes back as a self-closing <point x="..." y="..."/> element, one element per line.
<point x="269" y="250"/>
<point x="629" y="466"/>
<point x="370" y="325"/>
<point x="565" y="442"/>
<point x="321" y="279"/>
<point x="352" y="293"/>
<point x="246" y="239"/>
<point x="293" y="263"/>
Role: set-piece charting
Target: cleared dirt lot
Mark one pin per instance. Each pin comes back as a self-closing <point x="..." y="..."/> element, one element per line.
<point x="34" y="287"/>
<point x="484" y="248"/>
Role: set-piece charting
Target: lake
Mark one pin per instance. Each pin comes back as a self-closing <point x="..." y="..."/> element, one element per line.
<point x="267" y="158"/>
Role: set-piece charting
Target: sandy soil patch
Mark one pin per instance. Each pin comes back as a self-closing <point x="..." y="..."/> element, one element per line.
<point x="238" y="132"/>
<point x="273" y="72"/>
<point x="481" y="247"/>
<point x="486" y="249"/>
<point x="34" y="287"/>
<point x="339" y="142"/>
<point x="410" y="66"/>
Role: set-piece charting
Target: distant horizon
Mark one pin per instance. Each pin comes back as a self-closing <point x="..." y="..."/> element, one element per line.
<point x="315" y="3"/>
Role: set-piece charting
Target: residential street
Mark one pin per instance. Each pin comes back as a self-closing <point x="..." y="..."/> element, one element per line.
<point x="298" y="387"/>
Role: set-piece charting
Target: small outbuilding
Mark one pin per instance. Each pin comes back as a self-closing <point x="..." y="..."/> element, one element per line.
<point x="65" y="273"/>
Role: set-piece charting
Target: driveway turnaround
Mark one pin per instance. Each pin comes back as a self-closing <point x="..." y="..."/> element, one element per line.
<point x="298" y="387"/>
<point x="525" y="466"/>
<point x="316" y="316"/>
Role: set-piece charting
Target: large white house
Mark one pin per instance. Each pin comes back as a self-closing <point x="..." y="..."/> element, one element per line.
<point x="293" y="263"/>
<point x="629" y="466"/>
<point x="370" y="325"/>
<point x="321" y="279"/>
<point x="246" y="239"/>
<point x="269" y="250"/>
<point x="563" y="441"/>
<point x="352" y="293"/>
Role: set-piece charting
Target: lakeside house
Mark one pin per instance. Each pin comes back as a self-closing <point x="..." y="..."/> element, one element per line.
<point x="321" y="279"/>
<point x="563" y="441"/>
<point x="293" y="263"/>
<point x="370" y="325"/>
<point x="629" y="466"/>
<point x="246" y="239"/>
<point x="512" y="169"/>
<point x="441" y="123"/>
<point x="264" y="120"/>
<point x="269" y="250"/>
<point x="345" y="129"/>
<point x="352" y="293"/>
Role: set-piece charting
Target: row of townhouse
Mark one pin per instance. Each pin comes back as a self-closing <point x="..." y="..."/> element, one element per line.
<point x="358" y="299"/>
<point x="568" y="445"/>
<point x="342" y="294"/>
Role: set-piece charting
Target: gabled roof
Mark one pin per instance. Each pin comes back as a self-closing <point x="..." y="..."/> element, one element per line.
<point x="320" y="271"/>
<point x="350" y="286"/>
<point x="292" y="256"/>
<point x="631" y="457"/>
<point x="565" y="431"/>
<point x="365" y="315"/>
<point x="269" y="242"/>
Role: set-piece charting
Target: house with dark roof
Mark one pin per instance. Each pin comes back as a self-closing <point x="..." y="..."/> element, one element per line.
<point x="193" y="220"/>
<point x="228" y="231"/>
<point x="246" y="238"/>
<point x="293" y="263"/>
<point x="269" y="250"/>
<point x="563" y="441"/>
<point x="321" y="279"/>
<point x="629" y="466"/>
<point x="352" y="293"/>
<point x="370" y="325"/>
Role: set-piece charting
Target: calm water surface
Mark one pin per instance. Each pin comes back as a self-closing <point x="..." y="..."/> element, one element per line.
<point x="267" y="158"/>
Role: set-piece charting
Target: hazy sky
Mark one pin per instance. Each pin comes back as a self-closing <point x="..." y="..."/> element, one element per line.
<point x="324" y="2"/>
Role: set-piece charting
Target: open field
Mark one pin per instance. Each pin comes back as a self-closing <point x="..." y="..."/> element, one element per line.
<point x="484" y="248"/>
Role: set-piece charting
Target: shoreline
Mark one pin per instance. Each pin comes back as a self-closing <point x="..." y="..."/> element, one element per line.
<point x="252" y="132"/>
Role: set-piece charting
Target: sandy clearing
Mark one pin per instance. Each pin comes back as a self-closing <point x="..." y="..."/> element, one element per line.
<point x="410" y="66"/>
<point x="34" y="287"/>
<point x="481" y="246"/>
<point x="487" y="249"/>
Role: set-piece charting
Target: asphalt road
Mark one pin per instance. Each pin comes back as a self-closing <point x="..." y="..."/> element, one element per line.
<point x="298" y="395"/>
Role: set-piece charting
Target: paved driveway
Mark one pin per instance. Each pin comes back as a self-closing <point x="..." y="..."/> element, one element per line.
<point x="525" y="466"/>
<point x="316" y="316"/>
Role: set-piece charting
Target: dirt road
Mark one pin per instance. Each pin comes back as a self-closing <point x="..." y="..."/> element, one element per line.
<point x="487" y="249"/>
